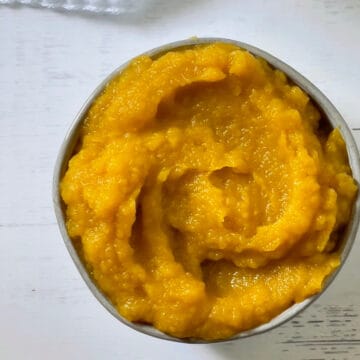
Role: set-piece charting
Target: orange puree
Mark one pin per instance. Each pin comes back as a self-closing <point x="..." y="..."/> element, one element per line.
<point x="204" y="197"/>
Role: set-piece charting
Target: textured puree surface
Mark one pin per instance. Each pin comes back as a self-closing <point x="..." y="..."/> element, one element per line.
<point x="205" y="197"/>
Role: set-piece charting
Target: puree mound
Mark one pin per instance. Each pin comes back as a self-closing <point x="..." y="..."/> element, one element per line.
<point x="204" y="197"/>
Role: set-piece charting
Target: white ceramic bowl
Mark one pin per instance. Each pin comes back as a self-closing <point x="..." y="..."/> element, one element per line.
<point x="330" y="117"/>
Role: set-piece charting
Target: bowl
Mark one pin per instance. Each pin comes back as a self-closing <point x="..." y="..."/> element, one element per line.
<point x="330" y="115"/>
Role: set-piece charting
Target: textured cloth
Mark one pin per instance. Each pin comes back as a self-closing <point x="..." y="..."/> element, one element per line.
<point x="97" y="6"/>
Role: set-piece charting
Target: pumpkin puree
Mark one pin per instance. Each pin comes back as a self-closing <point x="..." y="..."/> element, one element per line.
<point x="204" y="197"/>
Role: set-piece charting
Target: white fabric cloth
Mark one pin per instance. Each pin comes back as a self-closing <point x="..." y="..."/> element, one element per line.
<point x="98" y="6"/>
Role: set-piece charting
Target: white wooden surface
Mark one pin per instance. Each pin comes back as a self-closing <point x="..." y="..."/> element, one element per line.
<point x="49" y="64"/>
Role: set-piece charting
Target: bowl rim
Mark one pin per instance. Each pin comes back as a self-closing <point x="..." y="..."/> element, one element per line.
<point x="332" y="116"/>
